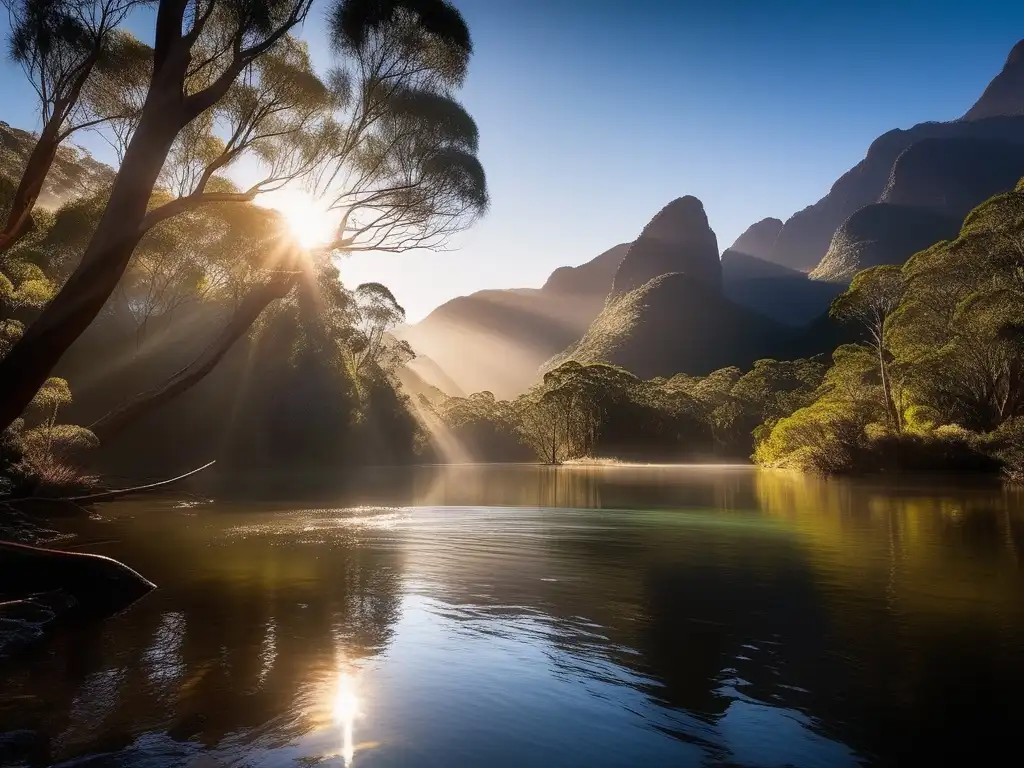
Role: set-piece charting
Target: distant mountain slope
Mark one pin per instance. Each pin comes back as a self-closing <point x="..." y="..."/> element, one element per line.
<point x="951" y="166"/>
<point x="783" y="294"/>
<point x="1005" y="94"/>
<point x="677" y="321"/>
<point x="881" y="233"/>
<point x="806" y="236"/>
<point x="496" y="340"/>
<point x="672" y="324"/>
<point x="592" y="279"/>
<point x="954" y="175"/>
<point x="758" y="239"/>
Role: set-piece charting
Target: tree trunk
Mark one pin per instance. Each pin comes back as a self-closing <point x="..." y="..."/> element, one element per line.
<point x="890" y="406"/>
<point x="33" y="357"/>
<point x="36" y="169"/>
<point x="126" y="414"/>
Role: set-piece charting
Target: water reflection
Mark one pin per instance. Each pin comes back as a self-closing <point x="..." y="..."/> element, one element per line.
<point x="511" y="616"/>
<point x="346" y="708"/>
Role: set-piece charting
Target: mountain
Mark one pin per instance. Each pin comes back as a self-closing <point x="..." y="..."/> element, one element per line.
<point x="953" y="176"/>
<point x="1005" y="94"/>
<point x="807" y="234"/>
<point x="669" y="290"/>
<point x="933" y="184"/>
<point x="667" y="313"/>
<point x="496" y="340"/>
<point x="590" y="279"/>
<point x="783" y="294"/>
<point x="677" y="239"/>
<point x="758" y="239"/>
<point x="881" y="233"/>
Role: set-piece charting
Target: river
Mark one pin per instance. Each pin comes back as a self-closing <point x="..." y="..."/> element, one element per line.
<point x="510" y="616"/>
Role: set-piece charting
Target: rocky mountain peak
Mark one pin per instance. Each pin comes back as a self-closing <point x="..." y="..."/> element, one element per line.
<point x="677" y="239"/>
<point x="1005" y="94"/>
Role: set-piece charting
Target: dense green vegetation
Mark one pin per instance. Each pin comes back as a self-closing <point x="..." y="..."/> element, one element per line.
<point x="186" y="319"/>
<point x="602" y="411"/>
<point x="940" y="384"/>
<point x="937" y="383"/>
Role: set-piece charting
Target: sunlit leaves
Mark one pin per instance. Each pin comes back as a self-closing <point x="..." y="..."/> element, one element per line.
<point x="55" y="393"/>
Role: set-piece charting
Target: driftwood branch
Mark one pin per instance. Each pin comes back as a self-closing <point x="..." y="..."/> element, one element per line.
<point x="115" y="494"/>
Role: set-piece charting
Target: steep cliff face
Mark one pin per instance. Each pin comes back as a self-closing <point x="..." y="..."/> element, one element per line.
<point x="1005" y="94"/>
<point x="783" y="294"/>
<point x="677" y="239"/>
<point x="882" y="233"/>
<point x="593" y="278"/>
<point x="671" y="324"/>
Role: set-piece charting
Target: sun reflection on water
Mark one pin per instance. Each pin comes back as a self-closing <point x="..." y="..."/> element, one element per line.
<point x="346" y="707"/>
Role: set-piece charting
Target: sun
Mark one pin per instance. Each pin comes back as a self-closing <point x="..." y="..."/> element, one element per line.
<point x="310" y="222"/>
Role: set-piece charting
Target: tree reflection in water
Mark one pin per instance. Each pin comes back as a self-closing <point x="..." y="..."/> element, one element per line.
<point x="475" y="614"/>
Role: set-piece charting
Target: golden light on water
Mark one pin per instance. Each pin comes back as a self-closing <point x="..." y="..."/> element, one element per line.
<point x="346" y="708"/>
<point x="310" y="222"/>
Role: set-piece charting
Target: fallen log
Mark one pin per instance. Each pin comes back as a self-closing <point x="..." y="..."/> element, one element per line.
<point x="99" y="585"/>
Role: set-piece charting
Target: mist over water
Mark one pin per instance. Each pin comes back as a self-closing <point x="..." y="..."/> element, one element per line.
<point x="530" y="615"/>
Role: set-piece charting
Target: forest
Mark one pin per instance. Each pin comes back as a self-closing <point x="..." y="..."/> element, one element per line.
<point x="155" y="316"/>
<point x="934" y="383"/>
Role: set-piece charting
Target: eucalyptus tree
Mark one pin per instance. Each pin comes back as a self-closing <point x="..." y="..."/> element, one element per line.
<point x="375" y="312"/>
<point x="200" y="49"/>
<point x="410" y="160"/>
<point x="872" y="299"/>
<point x="383" y="128"/>
<point x="85" y="72"/>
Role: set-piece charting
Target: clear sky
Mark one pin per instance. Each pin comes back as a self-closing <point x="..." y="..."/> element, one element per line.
<point x="595" y="114"/>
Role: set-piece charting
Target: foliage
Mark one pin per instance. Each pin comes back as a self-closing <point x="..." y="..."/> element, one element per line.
<point x="40" y="452"/>
<point x="940" y="383"/>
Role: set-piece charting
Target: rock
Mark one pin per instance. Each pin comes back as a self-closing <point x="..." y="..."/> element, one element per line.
<point x="593" y="278"/>
<point x="17" y="746"/>
<point x="673" y="324"/>
<point x="806" y="235"/>
<point x="1005" y="94"/>
<point x="24" y="621"/>
<point x="677" y="240"/>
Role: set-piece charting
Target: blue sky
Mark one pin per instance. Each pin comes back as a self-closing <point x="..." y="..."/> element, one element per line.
<point x="595" y="114"/>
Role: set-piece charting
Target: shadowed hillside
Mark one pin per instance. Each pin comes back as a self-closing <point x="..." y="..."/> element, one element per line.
<point x="496" y="340"/>
<point x="909" y="191"/>
<point x="676" y="320"/>
<point x="997" y="116"/>
<point x="881" y="233"/>
<point x="783" y="294"/>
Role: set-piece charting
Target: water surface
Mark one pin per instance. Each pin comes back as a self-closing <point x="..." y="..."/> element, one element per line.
<point x="509" y="616"/>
